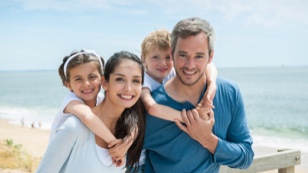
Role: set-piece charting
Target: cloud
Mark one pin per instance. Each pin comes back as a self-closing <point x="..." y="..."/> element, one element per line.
<point x="257" y="12"/>
<point x="254" y="12"/>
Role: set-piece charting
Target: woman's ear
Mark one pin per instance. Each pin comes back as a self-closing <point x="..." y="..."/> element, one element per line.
<point x="104" y="83"/>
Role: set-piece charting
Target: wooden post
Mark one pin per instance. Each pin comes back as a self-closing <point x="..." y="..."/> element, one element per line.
<point x="290" y="169"/>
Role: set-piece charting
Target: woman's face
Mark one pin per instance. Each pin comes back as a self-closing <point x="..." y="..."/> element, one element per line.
<point x="125" y="83"/>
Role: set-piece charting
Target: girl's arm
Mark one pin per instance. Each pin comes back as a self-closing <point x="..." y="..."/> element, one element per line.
<point x="85" y="114"/>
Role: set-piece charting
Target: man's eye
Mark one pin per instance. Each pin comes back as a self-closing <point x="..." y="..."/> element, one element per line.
<point x="182" y="55"/>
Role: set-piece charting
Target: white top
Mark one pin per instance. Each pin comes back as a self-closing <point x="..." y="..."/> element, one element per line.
<point x="73" y="149"/>
<point x="152" y="84"/>
<point x="61" y="116"/>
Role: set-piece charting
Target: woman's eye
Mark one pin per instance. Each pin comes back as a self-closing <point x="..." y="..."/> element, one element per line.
<point x="137" y="81"/>
<point x="119" y="79"/>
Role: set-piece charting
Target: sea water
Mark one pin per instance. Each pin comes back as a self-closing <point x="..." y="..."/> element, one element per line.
<point x="276" y="100"/>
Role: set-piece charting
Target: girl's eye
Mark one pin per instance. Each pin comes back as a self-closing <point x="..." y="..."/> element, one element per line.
<point x="77" y="79"/>
<point x="93" y="76"/>
<point x="168" y="58"/>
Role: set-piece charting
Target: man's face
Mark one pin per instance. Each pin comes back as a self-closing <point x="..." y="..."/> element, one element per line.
<point x="191" y="57"/>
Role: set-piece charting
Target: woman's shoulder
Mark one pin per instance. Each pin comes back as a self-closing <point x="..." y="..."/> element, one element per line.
<point x="74" y="124"/>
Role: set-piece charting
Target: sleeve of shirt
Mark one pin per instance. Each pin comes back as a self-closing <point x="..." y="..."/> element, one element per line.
<point x="59" y="148"/>
<point x="147" y="82"/>
<point x="236" y="151"/>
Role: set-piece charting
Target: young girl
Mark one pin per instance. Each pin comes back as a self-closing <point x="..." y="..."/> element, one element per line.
<point x="81" y="72"/>
<point x="74" y="148"/>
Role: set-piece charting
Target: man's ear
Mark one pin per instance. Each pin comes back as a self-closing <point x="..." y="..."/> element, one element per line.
<point x="211" y="57"/>
<point x="170" y="51"/>
<point x="104" y="83"/>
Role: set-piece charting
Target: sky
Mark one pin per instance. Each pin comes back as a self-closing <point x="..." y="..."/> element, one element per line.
<point x="36" y="34"/>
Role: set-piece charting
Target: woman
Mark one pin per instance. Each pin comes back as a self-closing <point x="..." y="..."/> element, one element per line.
<point x="74" y="148"/>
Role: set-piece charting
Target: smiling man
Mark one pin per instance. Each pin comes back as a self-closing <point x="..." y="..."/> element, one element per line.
<point x="197" y="145"/>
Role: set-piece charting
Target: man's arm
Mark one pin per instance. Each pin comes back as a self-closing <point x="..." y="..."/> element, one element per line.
<point x="199" y="129"/>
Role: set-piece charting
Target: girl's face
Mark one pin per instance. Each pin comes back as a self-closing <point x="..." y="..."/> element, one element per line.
<point x="124" y="85"/>
<point x="158" y="63"/>
<point x="85" y="82"/>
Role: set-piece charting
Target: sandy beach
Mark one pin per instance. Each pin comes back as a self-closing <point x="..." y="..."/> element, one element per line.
<point x="35" y="141"/>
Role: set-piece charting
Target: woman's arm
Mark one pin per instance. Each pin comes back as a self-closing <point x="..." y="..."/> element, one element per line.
<point x="59" y="149"/>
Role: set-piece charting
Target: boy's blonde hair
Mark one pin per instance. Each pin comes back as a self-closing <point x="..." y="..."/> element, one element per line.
<point x="160" y="38"/>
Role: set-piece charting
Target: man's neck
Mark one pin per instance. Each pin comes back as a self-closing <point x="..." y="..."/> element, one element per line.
<point x="182" y="93"/>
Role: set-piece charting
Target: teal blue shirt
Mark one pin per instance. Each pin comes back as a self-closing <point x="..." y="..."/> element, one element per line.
<point x="169" y="149"/>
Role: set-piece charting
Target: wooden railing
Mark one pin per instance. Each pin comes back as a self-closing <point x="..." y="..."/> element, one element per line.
<point x="284" y="160"/>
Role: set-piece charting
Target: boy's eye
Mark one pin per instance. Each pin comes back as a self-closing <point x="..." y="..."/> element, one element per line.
<point x="168" y="58"/>
<point x="155" y="57"/>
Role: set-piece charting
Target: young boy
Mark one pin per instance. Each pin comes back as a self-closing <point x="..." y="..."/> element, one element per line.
<point x="156" y="56"/>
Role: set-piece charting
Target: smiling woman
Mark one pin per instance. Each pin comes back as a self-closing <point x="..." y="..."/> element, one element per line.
<point x="74" y="148"/>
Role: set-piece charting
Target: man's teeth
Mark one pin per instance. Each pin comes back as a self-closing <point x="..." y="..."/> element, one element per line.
<point x="189" y="72"/>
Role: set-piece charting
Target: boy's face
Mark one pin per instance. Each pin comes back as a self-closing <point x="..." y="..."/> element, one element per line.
<point x="158" y="63"/>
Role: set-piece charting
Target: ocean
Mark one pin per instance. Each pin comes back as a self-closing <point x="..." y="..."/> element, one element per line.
<point x="276" y="100"/>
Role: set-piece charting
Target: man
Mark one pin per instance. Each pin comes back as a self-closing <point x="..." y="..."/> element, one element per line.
<point x="198" y="145"/>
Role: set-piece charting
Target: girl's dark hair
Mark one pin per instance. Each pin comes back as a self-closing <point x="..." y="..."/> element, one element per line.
<point x="133" y="117"/>
<point x="84" y="57"/>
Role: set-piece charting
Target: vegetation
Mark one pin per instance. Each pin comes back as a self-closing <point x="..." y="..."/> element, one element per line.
<point x="13" y="157"/>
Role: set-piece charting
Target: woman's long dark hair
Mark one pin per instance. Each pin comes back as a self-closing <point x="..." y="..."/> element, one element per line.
<point x="132" y="118"/>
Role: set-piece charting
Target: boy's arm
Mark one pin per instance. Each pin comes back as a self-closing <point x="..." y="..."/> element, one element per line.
<point x="85" y="114"/>
<point x="157" y="110"/>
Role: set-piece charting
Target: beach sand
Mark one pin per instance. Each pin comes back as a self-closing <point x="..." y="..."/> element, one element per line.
<point x="35" y="142"/>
